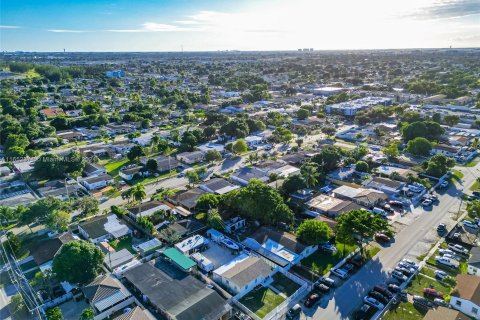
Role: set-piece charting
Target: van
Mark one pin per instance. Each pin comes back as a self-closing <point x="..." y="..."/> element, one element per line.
<point x="379" y="211"/>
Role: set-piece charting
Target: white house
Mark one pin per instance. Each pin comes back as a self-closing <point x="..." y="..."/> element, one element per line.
<point x="473" y="263"/>
<point x="97" y="182"/>
<point x="242" y="274"/>
<point x="449" y="151"/>
<point x="466" y="295"/>
<point x="191" y="157"/>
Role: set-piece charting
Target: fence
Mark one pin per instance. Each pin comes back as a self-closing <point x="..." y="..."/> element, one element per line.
<point x="55" y="302"/>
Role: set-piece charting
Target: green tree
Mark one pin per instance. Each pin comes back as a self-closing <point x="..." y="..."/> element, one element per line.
<point x="361" y="166"/>
<point x="313" y="232"/>
<point x="214" y="220"/>
<point x="192" y="177"/>
<point x="58" y="221"/>
<point x="139" y="194"/>
<point x="74" y="163"/>
<point x="292" y="184"/>
<point x="88" y="206"/>
<point x="329" y="131"/>
<point x="152" y="165"/>
<point x="419" y="146"/>
<point x="135" y="152"/>
<point x="473" y="209"/>
<point x="17" y="306"/>
<point x="239" y="146"/>
<point x="48" y="166"/>
<point x="328" y="159"/>
<point x="310" y="175"/>
<point x="87" y="314"/>
<point x="357" y="226"/>
<point x="74" y="254"/>
<point x="391" y="150"/>
<point x="303" y="113"/>
<point x="146" y="224"/>
<point x="14" y="244"/>
<point x="54" y="314"/>
<point x="212" y="156"/>
<point x="451" y="119"/>
<point x="282" y="135"/>
<point x="207" y="201"/>
<point x="438" y="165"/>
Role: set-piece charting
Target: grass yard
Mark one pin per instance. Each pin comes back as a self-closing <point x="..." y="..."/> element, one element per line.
<point x="404" y="311"/>
<point x="475" y="186"/>
<point x="472" y="163"/>
<point x="113" y="167"/>
<point x="320" y="262"/>
<point x="284" y="284"/>
<point x="420" y="282"/>
<point x="456" y="176"/>
<point x="261" y="300"/>
<point x="124" y="243"/>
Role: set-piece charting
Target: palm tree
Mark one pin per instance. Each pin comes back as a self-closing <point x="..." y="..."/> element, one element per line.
<point x="127" y="194"/>
<point x="138" y="194"/>
<point x="310" y="175"/>
<point x="214" y="220"/>
<point x="475" y="143"/>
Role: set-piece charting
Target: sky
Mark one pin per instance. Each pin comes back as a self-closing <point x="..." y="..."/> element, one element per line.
<point x="211" y="25"/>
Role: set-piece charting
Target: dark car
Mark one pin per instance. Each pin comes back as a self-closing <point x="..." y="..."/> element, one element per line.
<point x="394" y="288"/>
<point x="421" y="301"/>
<point x="378" y="296"/>
<point x="381" y="237"/>
<point x="441" y="228"/>
<point x="311" y="300"/>
<point x="384" y="291"/>
<point x="327" y="281"/>
<point x="294" y="312"/>
<point x="396" y="204"/>
<point x="356" y="260"/>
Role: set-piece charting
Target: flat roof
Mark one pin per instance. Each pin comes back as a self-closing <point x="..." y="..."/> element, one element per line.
<point x="179" y="258"/>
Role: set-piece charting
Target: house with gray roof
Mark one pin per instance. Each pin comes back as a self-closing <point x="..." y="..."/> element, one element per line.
<point x="243" y="175"/>
<point x="103" y="228"/>
<point x="218" y="186"/>
<point x="473" y="263"/>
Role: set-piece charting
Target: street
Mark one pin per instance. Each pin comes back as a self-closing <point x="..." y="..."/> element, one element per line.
<point x="347" y="298"/>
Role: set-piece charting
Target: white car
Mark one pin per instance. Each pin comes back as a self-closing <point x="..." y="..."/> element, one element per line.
<point x="445" y="251"/>
<point x="469" y="224"/>
<point x="458" y="248"/>
<point x="410" y="263"/>
<point x="373" y="302"/>
<point x="444" y="184"/>
<point x="451" y="257"/>
<point x="446" y="261"/>
<point x="339" y="273"/>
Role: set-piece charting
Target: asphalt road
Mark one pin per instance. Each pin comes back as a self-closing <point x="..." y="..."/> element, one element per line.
<point x="348" y="297"/>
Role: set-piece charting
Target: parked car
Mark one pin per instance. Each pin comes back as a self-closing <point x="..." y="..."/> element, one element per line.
<point x="445" y="251"/>
<point x="439" y="274"/>
<point x="399" y="276"/>
<point x="444" y="184"/>
<point x="394" y="288"/>
<point x="427" y="203"/>
<point x="373" y="302"/>
<point x="378" y="296"/>
<point x="469" y="224"/>
<point x="379" y="211"/>
<point x="321" y="287"/>
<point x="356" y="260"/>
<point x="418" y="300"/>
<point x="327" y="281"/>
<point x="327" y="246"/>
<point x="445" y="261"/>
<point x="408" y="272"/>
<point x="440" y="302"/>
<point x="452" y="257"/>
<point x="410" y="263"/>
<point x="339" y="273"/>
<point x="383" y="290"/>
<point x="395" y="203"/>
<point x="388" y="208"/>
<point x="458" y="248"/>
<point x="294" y="312"/>
<point x="312" y="300"/>
<point x="406" y="266"/>
<point x="432" y="292"/>
<point x="441" y="228"/>
<point x="347" y="267"/>
<point x="381" y="237"/>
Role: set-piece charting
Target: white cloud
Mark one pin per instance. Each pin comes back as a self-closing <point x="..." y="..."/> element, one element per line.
<point x="156" y="27"/>
<point x="9" y="27"/>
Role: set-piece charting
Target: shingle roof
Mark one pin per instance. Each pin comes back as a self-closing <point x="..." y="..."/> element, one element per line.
<point x="47" y="249"/>
<point x="247" y="270"/>
<point x="468" y="288"/>
<point x="136" y="313"/>
<point x="286" y="239"/>
<point x="474" y="259"/>
<point x="442" y="313"/>
<point x="189" y="198"/>
<point x="101" y="288"/>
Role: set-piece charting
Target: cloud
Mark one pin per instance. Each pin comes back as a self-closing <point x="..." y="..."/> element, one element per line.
<point x="9" y="27"/>
<point x="156" y="27"/>
<point x="66" y="31"/>
<point x="447" y="9"/>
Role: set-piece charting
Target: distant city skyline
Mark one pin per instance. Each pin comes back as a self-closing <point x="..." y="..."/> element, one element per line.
<point x="211" y="25"/>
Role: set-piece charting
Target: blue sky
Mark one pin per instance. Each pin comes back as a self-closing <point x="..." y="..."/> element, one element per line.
<point x="209" y="25"/>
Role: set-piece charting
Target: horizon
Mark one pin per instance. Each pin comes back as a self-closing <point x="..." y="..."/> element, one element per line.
<point x="214" y="25"/>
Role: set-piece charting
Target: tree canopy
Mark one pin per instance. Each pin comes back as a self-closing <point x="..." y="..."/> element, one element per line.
<point x="313" y="232"/>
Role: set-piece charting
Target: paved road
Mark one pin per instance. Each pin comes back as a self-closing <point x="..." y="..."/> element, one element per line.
<point x="347" y="298"/>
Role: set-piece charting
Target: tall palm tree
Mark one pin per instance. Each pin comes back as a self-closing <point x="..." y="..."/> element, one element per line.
<point x="138" y="194"/>
<point x="310" y="175"/>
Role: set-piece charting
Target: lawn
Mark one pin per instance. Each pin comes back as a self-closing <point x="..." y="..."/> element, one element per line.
<point x="475" y="186"/>
<point x="261" y="300"/>
<point x="472" y="163"/>
<point x="404" y="311"/>
<point x="321" y="262"/>
<point x="420" y="282"/>
<point x="456" y="176"/>
<point x="124" y="243"/>
<point x="113" y="167"/>
<point x="284" y="284"/>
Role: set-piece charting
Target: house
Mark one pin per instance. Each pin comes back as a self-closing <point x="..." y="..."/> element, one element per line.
<point x="52" y="112"/>
<point x="364" y="197"/>
<point x="243" y="175"/>
<point x="106" y="295"/>
<point x="132" y="171"/>
<point x="473" y="263"/>
<point x="181" y="229"/>
<point x="103" y="228"/>
<point x="136" y="313"/>
<point x="60" y="190"/>
<point x="218" y="186"/>
<point x="70" y="135"/>
<point x="443" y="313"/>
<point x="465" y="297"/>
<point x="176" y="295"/>
<point x="449" y="151"/>
<point x="163" y="163"/>
<point x="350" y="108"/>
<point x="329" y="206"/>
<point x="242" y="274"/>
<point x="148" y="208"/>
<point x="44" y="251"/>
<point x="93" y="169"/>
<point x="278" y="248"/>
<point x="388" y="186"/>
<point x="176" y="257"/>
<point x="97" y="182"/>
<point x="187" y="199"/>
<point x="342" y="174"/>
<point x="117" y="259"/>
<point x="192" y="244"/>
<point x="149" y="246"/>
<point x="191" y="157"/>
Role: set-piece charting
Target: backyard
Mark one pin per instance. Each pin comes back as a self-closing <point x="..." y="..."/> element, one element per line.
<point x="124" y="243"/>
<point x="284" y="284"/>
<point x="404" y="311"/>
<point x="320" y="262"/>
<point x="261" y="300"/>
<point x="420" y="282"/>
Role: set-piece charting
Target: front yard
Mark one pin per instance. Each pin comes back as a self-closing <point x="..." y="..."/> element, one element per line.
<point x="404" y="311"/>
<point x="321" y="262"/>
<point x="261" y="300"/>
<point x="420" y="282"/>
